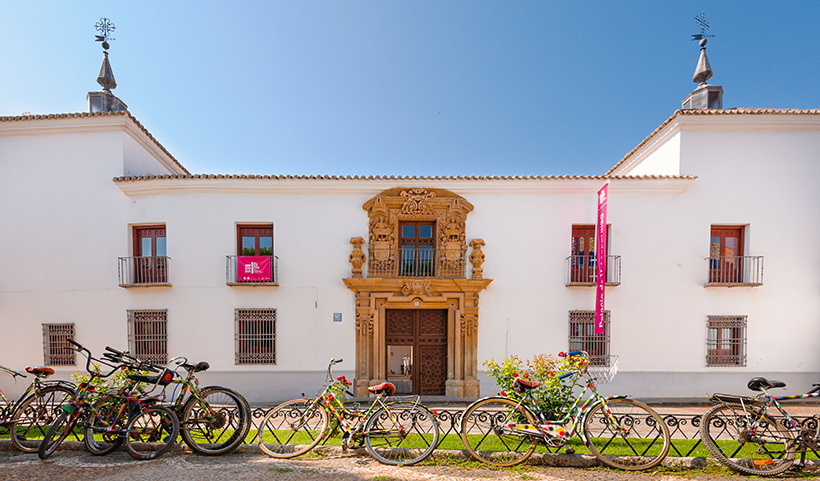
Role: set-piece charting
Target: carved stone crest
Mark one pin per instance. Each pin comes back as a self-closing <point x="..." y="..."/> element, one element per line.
<point x="416" y="203"/>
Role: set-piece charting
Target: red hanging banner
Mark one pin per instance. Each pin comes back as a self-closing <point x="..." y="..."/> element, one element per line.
<point x="253" y="268"/>
<point x="600" y="258"/>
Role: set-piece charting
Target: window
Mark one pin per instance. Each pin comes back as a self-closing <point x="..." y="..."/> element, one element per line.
<point x="726" y="341"/>
<point x="148" y="335"/>
<point x="255" y="331"/>
<point x="726" y="254"/>
<point x="582" y="336"/>
<point x="150" y="255"/>
<point x="416" y="245"/>
<point x="582" y="262"/>
<point x="255" y="240"/>
<point x="55" y="352"/>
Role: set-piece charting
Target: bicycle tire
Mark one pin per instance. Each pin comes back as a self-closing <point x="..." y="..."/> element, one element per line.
<point x="401" y="434"/>
<point x="767" y="452"/>
<point x="286" y="431"/>
<point x="216" y="422"/>
<point x="486" y="436"/>
<point x="151" y="432"/>
<point x="639" y="439"/>
<point x="34" y="414"/>
<point x="57" y="433"/>
<point x="96" y="440"/>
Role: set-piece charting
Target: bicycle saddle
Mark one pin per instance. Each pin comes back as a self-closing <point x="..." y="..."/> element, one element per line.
<point x="200" y="366"/>
<point x="40" y="370"/>
<point x="760" y="383"/>
<point x="386" y="387"/>
<point x="521" y="385"/>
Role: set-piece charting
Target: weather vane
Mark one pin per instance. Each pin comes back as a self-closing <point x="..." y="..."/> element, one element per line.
<point x="704" y="26"/>
<point x="106" y="28"/>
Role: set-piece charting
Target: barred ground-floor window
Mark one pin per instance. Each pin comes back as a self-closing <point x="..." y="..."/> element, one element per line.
<point x="55" y="344"/>
<point x="148" y="334"/>
<point x="726" y="341"/>
<point x="582" y="336"/>
<point x="255" y="334"/>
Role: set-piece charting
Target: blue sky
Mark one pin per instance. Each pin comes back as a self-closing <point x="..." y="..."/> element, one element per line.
<point x="393" y="87"/>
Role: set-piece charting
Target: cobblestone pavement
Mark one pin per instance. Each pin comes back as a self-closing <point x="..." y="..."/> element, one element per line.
<point x="79" y="465"/>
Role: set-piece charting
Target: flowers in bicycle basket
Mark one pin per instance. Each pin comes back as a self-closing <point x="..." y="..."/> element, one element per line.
<point x="554" y="395"/>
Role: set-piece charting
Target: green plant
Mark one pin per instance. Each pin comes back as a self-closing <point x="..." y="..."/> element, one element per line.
<point x="553" y="396"/>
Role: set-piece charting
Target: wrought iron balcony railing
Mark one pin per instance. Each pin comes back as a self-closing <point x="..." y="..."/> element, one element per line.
<point x="252" y="270"/>
<point x="143" y="271"/>
<point x="730" y="271"/>
<point x="581" y="270"/>
<point x="416" y="262"/>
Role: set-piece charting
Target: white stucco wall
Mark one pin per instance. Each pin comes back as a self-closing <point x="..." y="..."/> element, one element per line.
<point x="69" y="222"/>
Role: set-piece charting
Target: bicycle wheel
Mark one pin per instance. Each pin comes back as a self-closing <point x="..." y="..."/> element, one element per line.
<point x="151" y="432"/>
<point x="764" y="449"/>
<point x="486" y="434"/>
<point x="401" y="434"/>
<point x="103" y="431"/>
<point x="631" y="436"/>
<point x="216" y="421"/>
<point x="292" y="428"/>
<point x="35" y="414"/>
<point x="57" y="433"/>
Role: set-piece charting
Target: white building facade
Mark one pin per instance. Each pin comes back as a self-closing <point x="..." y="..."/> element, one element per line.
<point x="108" y="239"/>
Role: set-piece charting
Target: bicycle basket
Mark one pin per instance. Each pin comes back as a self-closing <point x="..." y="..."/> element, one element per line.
<point x="603" y="368"/>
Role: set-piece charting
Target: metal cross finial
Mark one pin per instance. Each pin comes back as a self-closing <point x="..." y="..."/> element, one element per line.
<point x="704" y="26"/>
<point x="105" y="27"/>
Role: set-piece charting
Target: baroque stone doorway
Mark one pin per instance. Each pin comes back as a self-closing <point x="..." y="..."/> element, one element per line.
<point x="416" y="348"/>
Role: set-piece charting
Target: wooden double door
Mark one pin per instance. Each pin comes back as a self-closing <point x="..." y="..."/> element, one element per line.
<point x="416" y="347"/>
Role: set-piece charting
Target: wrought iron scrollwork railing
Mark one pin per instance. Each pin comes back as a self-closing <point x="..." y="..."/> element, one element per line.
<point x="416" y="262"/>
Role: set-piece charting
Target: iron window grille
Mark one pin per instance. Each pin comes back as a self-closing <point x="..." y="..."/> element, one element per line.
<point x="726" y="341"/>
<point x="148" y="334"/>
<point x="55" y="344"/>
<point x="255" y="336"/>
<point x="582" y="336"/>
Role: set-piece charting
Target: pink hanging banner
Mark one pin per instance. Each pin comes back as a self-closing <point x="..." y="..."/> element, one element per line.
<point x="600" y="264"/>
<point x="253" y="268"/>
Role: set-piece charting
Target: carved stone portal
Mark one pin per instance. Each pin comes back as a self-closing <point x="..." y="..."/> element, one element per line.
<point x="377" y="294"/>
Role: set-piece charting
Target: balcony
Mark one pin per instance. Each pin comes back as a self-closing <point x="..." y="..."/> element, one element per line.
<point x="252" y="270"/>
<point x="151" y="271"/>
<point x="416" y="262"/>
<point x="731" y="271"/>
<point x="581" y="270"/>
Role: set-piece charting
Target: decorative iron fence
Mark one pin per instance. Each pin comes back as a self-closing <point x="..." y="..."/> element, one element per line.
<point x="581" y="270"/>
<point x="683" y="428"/>
<point x="735" y="271"/>
<point x="143" y="271"/>
<point x="251" y="273"/>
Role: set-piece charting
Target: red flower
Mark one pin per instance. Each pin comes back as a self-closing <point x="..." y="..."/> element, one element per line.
<point x="526" y="375"/>
<point x="550" y="373"/>
<point x="562" y="354"/>
<point x="503" y="393"/>
<point x="515" y="374"/>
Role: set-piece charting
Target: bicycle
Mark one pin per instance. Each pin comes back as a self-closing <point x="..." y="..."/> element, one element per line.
<point x="742" y="434"/>
<point x="28" y="418"/>
<point x="149" y="430"/>
<point x="213" y="420"/>
<point x="622" y="433"/>
<point x="395" y="431"/>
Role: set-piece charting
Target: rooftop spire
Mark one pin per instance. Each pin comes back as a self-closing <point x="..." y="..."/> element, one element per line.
<point x="704" y="96"/>
<point x="104" y="100"/>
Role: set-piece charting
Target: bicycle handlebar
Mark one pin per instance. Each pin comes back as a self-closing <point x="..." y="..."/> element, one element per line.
<point x="12" y="372"/>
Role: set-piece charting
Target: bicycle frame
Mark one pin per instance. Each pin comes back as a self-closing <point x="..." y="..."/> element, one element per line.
<point x="329" y="400"/>
<point x="36" y="385"/>
<point x="575" y="415"/>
